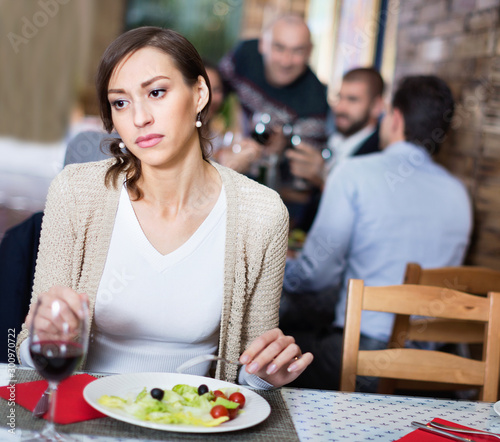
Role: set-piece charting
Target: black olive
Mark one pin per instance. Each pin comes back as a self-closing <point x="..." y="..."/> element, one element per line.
<point x="157" y="393"/>
<point x="202" y="389"/>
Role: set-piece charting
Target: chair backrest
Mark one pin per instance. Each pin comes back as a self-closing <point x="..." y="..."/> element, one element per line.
<point x="422" y="365"/>
<point x="470" y="279"/>
<point x="86" y="146"/>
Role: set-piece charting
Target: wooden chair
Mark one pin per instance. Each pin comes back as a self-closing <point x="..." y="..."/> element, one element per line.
<point x="422" y="365"/>
<point x="470" y="279"/>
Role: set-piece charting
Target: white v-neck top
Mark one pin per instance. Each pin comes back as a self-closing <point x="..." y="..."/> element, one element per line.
<point x="153" y="312"/>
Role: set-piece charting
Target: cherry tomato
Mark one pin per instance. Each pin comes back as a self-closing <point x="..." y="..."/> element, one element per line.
<point x="218" y="393"/>
<point x="233" y="413"/>
<point x="238" y="398"/>
<point x="219" y="411"/>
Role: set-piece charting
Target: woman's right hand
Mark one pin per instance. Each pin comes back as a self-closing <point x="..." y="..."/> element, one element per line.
<point x="276" y="358"/>
<point x="71" y="305"/>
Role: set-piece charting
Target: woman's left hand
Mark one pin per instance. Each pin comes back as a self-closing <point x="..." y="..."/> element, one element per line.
<point x="276" y="358"/>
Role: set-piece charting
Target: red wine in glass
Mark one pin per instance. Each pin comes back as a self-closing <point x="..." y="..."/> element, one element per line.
<point x="58" y="342"/>
<point x="56" y="360"/>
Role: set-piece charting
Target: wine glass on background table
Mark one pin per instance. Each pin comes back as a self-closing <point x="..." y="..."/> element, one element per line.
<point x="58" y="342"/>
<point x="265" y="170"/>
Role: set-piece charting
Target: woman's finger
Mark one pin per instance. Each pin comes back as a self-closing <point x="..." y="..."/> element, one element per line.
<point x="269" y="352"/>
<point x="289" y="372"/>
<point x="272" y="355"/>
<point x="59" y="312"/>
<point x="289" y="354"/>
<point x="259" y="344"/>
<point x="300" y="364"/>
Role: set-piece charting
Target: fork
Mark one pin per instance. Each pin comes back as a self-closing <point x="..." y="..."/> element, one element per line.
<point x="462" y="430"/>
<point x="203" y="358"/>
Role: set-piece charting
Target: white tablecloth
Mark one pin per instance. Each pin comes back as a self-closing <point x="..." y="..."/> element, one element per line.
<point x="320" y="415"/>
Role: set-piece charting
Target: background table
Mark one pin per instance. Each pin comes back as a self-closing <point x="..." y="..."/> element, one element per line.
<point x="320" y="415"/>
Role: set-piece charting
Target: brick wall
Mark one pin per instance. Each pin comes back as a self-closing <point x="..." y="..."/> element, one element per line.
<point x="459" y="40"/>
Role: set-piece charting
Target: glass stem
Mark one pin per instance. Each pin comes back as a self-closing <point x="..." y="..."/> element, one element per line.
<point x="52" y="405"/>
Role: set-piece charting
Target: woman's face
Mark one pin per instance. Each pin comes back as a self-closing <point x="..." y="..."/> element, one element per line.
<point x="153" y="109"/>
<point x="217" y="92"/>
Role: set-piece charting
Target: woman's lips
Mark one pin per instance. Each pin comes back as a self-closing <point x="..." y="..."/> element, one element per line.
<point x="148" y="140"/>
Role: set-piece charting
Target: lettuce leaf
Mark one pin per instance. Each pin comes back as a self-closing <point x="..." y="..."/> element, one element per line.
<point x="180" y="405"/>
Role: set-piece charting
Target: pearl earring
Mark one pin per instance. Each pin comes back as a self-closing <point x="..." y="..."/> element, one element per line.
<point x="121" y="145"/>
<point x="198" y="121"/>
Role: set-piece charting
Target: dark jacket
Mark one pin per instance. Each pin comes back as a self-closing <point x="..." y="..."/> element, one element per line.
<point x="18" y="252"/>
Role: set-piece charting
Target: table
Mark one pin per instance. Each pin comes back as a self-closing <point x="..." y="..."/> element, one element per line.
<point x="320" y="415"/>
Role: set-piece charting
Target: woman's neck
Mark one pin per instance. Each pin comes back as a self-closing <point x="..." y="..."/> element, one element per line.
<point x="174" y="189"/>
<point x="176" y="201"/>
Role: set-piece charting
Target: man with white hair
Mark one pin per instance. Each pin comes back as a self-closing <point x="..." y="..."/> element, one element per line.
<point x="276" y="87"/>
<point x="271" y="75"/>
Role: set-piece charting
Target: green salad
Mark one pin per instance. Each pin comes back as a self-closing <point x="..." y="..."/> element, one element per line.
<point x="183" y="404"/>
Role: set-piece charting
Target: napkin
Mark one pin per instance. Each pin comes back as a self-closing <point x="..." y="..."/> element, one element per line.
<point x="71" y="407"/>
<point x="425" y="436"/>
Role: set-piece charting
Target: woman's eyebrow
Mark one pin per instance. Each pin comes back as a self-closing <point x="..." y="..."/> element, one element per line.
<point x="152" y="80"/>
<point x="116" y="91"/>
<point x="143" y="85"/>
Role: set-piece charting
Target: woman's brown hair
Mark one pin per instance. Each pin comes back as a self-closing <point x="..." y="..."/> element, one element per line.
<point x="185" y="58"/>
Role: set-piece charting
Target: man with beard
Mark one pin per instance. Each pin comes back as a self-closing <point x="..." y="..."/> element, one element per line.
<point x="357" y="112"/>
<point x="377" y="213"/>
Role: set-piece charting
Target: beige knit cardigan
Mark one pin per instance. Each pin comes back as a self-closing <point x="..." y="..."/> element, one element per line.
<point x="76" y="233"/>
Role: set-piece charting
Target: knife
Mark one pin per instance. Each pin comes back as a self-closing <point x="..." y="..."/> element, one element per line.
<point x="441" y="432"/>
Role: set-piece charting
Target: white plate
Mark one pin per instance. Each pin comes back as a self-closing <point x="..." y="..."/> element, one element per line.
<point x="256" y="407"/>
<point x="496" y="407"/>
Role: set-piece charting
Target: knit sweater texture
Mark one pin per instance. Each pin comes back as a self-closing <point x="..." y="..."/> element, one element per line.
<point x="76" y="233"/>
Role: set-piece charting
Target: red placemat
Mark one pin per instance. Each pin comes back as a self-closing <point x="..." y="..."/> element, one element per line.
<point x="425" y="436"/>
<point x="71" y="407"/>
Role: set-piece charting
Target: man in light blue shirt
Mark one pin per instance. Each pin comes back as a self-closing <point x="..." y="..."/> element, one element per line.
<point x="377" y="213"/>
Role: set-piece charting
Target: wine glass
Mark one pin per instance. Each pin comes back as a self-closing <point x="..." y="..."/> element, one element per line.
<point x="264" y="170"/>
<point x="58" y="342"/>
<point x="261" y="127"/>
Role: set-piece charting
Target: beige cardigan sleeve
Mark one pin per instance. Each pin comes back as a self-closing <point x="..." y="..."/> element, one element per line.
<point x="256" y="244"/>
<point x="262" y="312"/>
<point x="54" y="265"/>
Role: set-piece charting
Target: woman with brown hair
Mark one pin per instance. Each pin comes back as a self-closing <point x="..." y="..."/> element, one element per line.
<point x="177" y="255"/>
